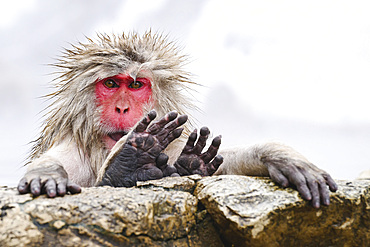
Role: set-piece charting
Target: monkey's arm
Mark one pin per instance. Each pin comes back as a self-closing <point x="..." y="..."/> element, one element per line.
<point x="284" y="165"/>
<point x="46" y="175"/>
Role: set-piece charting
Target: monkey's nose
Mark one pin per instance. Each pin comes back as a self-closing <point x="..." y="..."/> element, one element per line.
<point x="119" y="110"/>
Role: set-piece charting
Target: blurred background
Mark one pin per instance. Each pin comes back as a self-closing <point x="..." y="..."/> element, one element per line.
<point x="289" y="71"/>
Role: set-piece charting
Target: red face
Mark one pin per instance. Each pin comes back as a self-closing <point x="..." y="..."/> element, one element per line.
<point x="122" y="99"/>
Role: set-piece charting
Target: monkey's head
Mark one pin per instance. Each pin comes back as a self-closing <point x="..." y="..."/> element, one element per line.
<point x="105" y="87"/>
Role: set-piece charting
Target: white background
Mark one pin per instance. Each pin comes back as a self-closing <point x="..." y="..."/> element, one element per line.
<point x="292" y="71"/>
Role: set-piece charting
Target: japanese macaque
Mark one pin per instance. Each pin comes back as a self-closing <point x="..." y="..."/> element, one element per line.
<point x="101" y="127"/>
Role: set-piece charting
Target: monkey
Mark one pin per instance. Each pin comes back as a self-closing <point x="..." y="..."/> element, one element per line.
<point x="101" y="127"/>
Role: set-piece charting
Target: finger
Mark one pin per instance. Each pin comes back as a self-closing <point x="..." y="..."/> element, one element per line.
<point x="202" y="140"/>
<point x="332" y="184"/>
<point x="176" y="123"/>
<point x="163" y="134"/>
<point x="277" y="176"/>
<point x="172" y="136"/>
<point x="315" y="195"/>
<point x="169" y="170"/>
<point x="23" y="186"/>
<point x="300" y="182"/>
<point x="143" y="124"/>
<point x="191" y="141"/>
<point x="161" y="161"/>
<point x="35" y="187"/>
<point x="157" y="126"/>
<point x="61" y="188"/>
<point x="212" y="150"/>
<point x="50" y="188"/>
<point x="313" y="186"/>
<point x="324" y="192"/>
<point x="215" y="164"/>
<point x="73" y="188"/>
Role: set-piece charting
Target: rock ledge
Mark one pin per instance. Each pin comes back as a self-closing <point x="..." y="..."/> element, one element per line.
<point x="187" y="211"/>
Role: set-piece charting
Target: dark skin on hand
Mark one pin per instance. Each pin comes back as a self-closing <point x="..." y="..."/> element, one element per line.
<point x="51" y="180"/>
<point x="193" y="161"/>
<point x="141" y="157"/>
<point x="311" y="185"/>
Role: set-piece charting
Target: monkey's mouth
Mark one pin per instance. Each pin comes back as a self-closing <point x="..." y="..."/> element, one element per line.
<point x="117" y="135"/>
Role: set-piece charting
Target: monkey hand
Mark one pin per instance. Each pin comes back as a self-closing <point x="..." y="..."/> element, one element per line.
<point x="192" y="161"/>
<point x="311" y="182"/>
<point x="140" y="158"/>
<point x="50" y="179"/>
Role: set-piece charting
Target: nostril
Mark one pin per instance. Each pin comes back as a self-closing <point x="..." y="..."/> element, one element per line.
<point x="119" y="111"/>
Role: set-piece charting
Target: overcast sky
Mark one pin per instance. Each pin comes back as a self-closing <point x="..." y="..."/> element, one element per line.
<point x="292" y="71"/>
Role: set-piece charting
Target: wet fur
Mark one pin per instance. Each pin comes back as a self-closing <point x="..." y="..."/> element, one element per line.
<point x="74" y="116"/>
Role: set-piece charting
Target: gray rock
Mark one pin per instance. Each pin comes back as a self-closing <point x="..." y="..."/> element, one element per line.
<point x="254" y="212"/>
<point x="187" y="211"/>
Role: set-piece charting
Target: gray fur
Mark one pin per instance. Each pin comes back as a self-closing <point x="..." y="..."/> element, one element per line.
<point x="74" y="113"/>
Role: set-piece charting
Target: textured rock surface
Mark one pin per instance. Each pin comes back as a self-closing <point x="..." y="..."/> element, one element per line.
<point x="254" y="212"/>
<point x="187" y="211"/>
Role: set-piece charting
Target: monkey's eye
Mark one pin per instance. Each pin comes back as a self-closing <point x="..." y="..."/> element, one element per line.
<point x="110" y="83"/>
<point x="135" y="85"/>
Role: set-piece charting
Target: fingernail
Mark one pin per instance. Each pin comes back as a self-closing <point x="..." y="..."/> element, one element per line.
<point x="327" y="201"/>
<point x="51" y="193"/>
